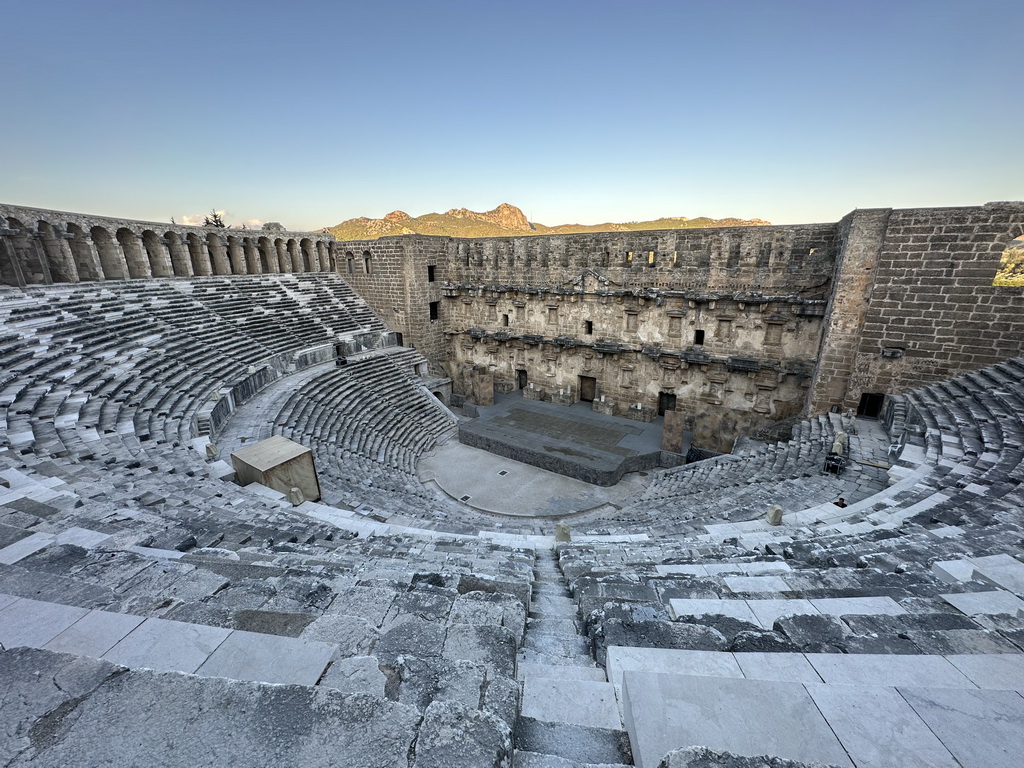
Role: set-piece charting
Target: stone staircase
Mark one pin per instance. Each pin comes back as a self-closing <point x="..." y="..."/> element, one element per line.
<point x="569" y="714"/>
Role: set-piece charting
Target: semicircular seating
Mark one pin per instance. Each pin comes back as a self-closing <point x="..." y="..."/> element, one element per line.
<point x="116" y="530"/>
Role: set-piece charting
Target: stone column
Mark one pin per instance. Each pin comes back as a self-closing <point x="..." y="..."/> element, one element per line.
<point x="252" y="257"/>
<point x="159" y="256"/>
<point x="181" y="265"/>
<point x="87" y="261"/>
<point x="218" y="254"/>
<point x="284" y="260"/>
<point x="237" y="257"/>
<point x="135" y="256"/>
<point x="296" y="256"/>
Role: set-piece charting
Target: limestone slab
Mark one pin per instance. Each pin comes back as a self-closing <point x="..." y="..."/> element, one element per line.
<point x="748" y="717"/>
<point x="887" y="669"/>
<point x="526" y="669"/>
<point x="82" y="537"/>
<point x="736" y="609"/>
<point x="953" y="571"/>
<point x="357" y="674"/>
<point x="681" y="570"/>
<point x="269" y="659"/>
<point x="22" y="548"/>
<point x="743" y="584"/>
<point x="878" y="728"/>
<point x="982" y="729"/>
<point x="622" y="659"/>
<point x="767" y="611"/>
<point x="34" y="623"/>
<point x="1002" y="570"/>
<point x="94" y="634"/>
<point x="758" y="568"/>
<point x="992" y="671"/>
<point x="6" y="600"/>
<point x="989" y="603"/>
<point x="869" y="606"/>
<point x="781" y="667"/>
<point x="577" y="702"/>
<point x="167" y="646"/>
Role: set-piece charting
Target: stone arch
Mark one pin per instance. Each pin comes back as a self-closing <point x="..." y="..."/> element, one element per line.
<point x="218" y="254"/>
<point x="308" y="255"/>
<point x="134" y="255"/>
<point x="157" y="254"/>
<point x="112" y="260"/>
<point x="57" y="253"/>
<point x="323" y="256"/>
<point x="350" y="263"/>
<point x="198" y="255"/>
<point x="267" y="255"/>
<point x="83" y="252"/>
<point x="367" y="263"/>
<point x="181" y="263"/>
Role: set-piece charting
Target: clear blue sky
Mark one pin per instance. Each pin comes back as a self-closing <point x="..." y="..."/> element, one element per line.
<point x="309" y="113"/>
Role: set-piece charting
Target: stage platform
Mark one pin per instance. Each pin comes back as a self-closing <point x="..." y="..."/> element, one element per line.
<point x="574" y="440"/>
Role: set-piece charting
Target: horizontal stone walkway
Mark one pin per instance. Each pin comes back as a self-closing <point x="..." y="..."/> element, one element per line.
<point x="840" y="709"/>
<point x="162" y="645"/>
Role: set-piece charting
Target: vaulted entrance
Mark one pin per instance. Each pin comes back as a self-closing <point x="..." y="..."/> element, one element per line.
<point x="666" y="402"/>
<point x="588" y="388"/>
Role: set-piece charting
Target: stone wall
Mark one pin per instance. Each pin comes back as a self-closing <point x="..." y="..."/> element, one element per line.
<point x="734" y="327"/>
<point x="393" y="275"/>
<point x="39" y="246"/>
<point x="917" y="302"/>
<point x="794" y="319"/>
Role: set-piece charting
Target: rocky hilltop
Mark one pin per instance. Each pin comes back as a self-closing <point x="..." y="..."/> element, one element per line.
<point x="504" y="221"/>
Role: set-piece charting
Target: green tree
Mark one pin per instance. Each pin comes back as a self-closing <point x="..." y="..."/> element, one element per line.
<point x="214" y="220"/>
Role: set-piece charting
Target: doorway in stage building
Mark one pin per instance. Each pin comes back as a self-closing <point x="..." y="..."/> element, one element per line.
<point x="521" y="378"/>
<point x="666" y="402"/>
<point x="870" y="404"/>
<point x="588" y="389"/>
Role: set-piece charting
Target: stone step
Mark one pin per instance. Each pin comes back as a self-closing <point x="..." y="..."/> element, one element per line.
<point x="763" y="613"/>
<point x="531" y="656"/>
<point x="551" y="626"/>
<point x="161" y="644"/>
<point x="558" y="645"/>
<point x="575" y="702"/>
<point x="573" y="742"/>
<point x="525" y="759"/>
<point x="996" y="671"/>
<point x="550" y="604"/>
<point x="524" y="670"/>
<point x="843" y="725"/>
<point x="109" y="702"/>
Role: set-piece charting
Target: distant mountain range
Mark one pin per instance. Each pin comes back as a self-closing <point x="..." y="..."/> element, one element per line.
<point x="504" y="221"/>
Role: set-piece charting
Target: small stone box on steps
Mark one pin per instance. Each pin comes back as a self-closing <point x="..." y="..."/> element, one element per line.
<point x="278" y="463"/>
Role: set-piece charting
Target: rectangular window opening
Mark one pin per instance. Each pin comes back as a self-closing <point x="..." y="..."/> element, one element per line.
<point x="434" y="309"/>
<point x="698" y="337"/>
<point x="431" y="276"/>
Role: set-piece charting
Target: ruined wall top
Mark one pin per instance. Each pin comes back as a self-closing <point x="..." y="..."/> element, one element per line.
<point x="30" y="217"/>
